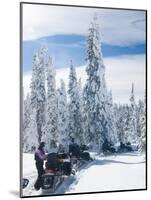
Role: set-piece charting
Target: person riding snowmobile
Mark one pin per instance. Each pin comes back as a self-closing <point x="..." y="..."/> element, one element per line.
<point x="108" y="147"/>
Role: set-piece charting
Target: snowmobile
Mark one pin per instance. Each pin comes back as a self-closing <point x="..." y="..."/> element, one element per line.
<point x="108" y="148"/>
<point x="60" y="166"/>
<point x="124" y="148"/>
<point x="57" y="167"/>
<point x="51" y="180"/>
<point x="80" y="158"/>
<point x="109" y="151"/>
<point x="80" y="152"/>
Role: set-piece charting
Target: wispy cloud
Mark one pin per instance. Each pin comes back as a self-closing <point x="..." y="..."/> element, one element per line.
<point x="118" y="27"/>
<point x="121" y="71"/>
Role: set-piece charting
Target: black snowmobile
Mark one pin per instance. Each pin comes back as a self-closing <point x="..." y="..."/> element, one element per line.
<point x="61" y="165"/>
<point x="124" y="148"/>
<point x="78" y="156"/>
<point x="57" y="167"/>
<point x="108" y="148"/>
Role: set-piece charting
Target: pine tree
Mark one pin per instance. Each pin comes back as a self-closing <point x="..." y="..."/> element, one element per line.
<point x="75" y="123"/>
<point x="141" y="122"/>
<point x="30" y="136"/>
<point x="95" y="90"/>
<point x="143" y="132"/>
<point x="80" y="92"/>
<point x="26" y="123"/>
<point x="120" y="116"/>
<point x="112" y="132"/>
<point x="63" y="135"/>
<point x="50" y="130"/>
<point x="132" y="135"/>
<point x="139" y="114"/>
<point x="38" y="95"/>
<point x="126" y="135"/>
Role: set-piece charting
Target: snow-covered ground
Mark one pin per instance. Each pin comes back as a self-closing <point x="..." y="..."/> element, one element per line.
<point x="117" y="172"/>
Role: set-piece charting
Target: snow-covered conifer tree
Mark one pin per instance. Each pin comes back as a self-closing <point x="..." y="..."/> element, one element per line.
<point x="139" y="113"/>
<point x="141" y="125"/>
<point x="75" y="121"/>
<point x="121" y="117"/>
<point x="30" y="136"/>
<point x="80" y="92"/>
<point x="142" y="145"/>
<point x="95" y="90"/>
<point x="38" y="94"/>
<point x="50" y="130"/>
<point x="111" y="133"/>
<point x="63" y="135"/>
<point x="132" y="136"/>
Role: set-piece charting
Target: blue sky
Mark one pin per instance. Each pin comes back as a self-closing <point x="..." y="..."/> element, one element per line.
<point x="63" y="48"/>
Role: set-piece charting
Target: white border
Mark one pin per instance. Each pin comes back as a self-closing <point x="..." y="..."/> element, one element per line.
<point x="9" y="98"/>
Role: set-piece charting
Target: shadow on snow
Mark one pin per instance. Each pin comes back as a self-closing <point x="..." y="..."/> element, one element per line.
<point x="110" y="161"/>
